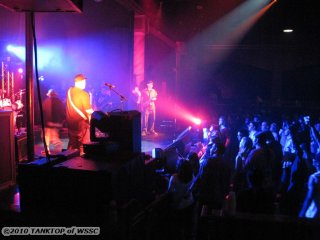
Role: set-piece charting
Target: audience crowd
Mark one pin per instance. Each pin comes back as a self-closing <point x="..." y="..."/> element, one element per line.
<point x="264" y="165"/>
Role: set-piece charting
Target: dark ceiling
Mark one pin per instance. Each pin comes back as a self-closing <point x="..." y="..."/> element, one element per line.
<point x="183" y="19"/>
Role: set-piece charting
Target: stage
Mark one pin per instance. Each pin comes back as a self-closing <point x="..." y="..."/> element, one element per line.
<point x="149" y="142"/>
<point x="9" y="198"/>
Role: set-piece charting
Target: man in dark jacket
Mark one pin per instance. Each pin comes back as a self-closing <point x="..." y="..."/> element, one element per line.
<point x="54" y="117"/>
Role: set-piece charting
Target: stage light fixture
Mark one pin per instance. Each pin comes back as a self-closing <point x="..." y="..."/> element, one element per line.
<point x="288" y="30"/>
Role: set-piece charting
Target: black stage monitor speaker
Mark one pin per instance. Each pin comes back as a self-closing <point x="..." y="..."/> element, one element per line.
<point x="7" y="150"/>
<point x="122" y="127"/>
<point x="74" y="187"/>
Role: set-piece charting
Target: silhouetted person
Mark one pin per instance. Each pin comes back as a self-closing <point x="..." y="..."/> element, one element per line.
<point x="239" y="179"/>
<point x="214" y="178"/>
<point x="313" y="194"/>
<point x="54" y="117"/>
<point x="300" y="170"/>
<point x="257" y="198"/>
<point x="261" y="158"/>
<point x="182" y="201"/>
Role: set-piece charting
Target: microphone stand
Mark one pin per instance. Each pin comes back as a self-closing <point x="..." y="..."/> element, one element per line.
<point x="122" y="98"/>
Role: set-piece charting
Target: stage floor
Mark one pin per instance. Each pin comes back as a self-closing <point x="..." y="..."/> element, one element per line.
<point x="149" y="142"/>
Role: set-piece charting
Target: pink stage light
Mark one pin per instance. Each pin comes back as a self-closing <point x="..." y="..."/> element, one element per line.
<point x="197" y="121"/>
<point x="170" y="107"/>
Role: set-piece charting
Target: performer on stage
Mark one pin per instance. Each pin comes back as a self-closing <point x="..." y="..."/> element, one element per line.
<point x="78" y="114"/>
<point x="54" y="117"/>
<point x="148" y="98"/>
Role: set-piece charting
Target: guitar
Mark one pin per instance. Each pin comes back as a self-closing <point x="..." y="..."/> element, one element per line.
<point x="148" y="98"/>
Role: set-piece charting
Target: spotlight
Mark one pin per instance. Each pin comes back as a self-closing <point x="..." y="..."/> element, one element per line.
<point x="197" y="121"/>
<point x="18" y="51"/>
<point x="10" y="48"/>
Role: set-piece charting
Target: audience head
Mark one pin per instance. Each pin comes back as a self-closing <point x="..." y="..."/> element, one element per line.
<point x="194" y="161"/>
<point x="242" y="133"/>
<point x="217" y="149"/>
<point x="214" y="131"/>
<point x="273" y="127"/>
<point x="245" y="144"/>
<point x="269" y="136"/>
<point x="193" y="157"/>
<point x="252" y="126"/>
<point x="222" y="121"/>
<point x="264" y="126"/>
<point x="184" y="170"/>
<point x="260" y="139"/>
<point x="257" y="118"/>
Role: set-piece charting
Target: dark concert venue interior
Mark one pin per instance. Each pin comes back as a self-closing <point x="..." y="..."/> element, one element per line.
<point x="160" y="119"/>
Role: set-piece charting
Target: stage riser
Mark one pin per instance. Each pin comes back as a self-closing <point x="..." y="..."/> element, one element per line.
<point x="57" y="188"/>
<point x="83" y="186"/>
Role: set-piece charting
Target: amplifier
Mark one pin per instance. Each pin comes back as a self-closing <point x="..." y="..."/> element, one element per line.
<point x="7" y="154"/>
<point x="120" y="127"/>
<point x="21" y="149"/>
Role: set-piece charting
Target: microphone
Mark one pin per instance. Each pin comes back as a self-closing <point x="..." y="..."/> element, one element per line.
<point x="110" y="85"/>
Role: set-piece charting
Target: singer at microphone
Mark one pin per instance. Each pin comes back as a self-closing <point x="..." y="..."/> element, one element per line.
<point x="110" y="85"/>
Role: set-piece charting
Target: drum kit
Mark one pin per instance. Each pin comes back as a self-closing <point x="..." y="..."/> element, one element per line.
<point x="9" y="99"/>
<point x="15" y="105"/>
<point x="8" y="104"/>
